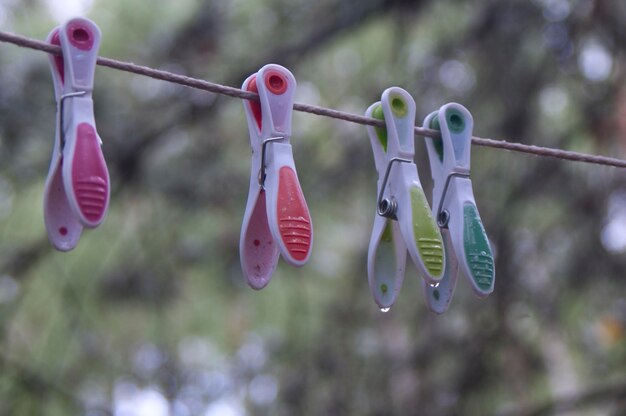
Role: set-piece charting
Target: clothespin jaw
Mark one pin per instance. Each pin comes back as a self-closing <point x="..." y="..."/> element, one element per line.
<point x="76" y="193"/>
<point x="275" y="191"/>
<point x="57" y="66"/>
<point x="454" y="196"/>
<point x="386" y="259"/>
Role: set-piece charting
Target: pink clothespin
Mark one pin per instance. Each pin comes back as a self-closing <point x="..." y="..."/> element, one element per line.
<point x="77" y="188"/>
<point x="277" y="219"/>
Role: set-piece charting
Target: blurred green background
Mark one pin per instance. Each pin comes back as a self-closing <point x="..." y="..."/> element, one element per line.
<point x="150" y="315"/>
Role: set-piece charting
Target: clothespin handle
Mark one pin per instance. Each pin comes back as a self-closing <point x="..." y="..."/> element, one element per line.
<point x="386" y="257"/>
<point x="258" y="252"/>
<point x="62" y="226"/>
<point x="439" y="295"/>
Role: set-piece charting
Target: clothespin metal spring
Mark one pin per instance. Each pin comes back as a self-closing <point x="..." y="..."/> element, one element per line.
<point x="387" y="207"/>
<point x="62" y="112"/>
<point x="443" y="215"/>
<point x="263" y="170"/>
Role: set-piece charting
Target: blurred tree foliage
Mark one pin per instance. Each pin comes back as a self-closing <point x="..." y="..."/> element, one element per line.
<point x="150" y="314"/>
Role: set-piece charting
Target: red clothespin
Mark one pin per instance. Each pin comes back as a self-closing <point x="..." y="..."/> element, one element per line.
<point x="277" y="219"/>
<point x="77" y="188"/>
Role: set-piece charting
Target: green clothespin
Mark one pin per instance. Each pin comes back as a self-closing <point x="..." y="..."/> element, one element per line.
<point x="403" y="221"/>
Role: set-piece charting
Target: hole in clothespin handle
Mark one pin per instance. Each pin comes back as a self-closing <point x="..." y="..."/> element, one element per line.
<point x="276" y="82"/>
<point x="456" y="122"/>
<point x="398" y="106"/>
<point x="80" y="35"/>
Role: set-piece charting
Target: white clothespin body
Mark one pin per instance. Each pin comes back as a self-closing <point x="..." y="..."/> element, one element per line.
<point x="277" y="218"/>
<point x="454" y="207"/>
<point x="77" y="188"/>
<point x="403" y="221"/>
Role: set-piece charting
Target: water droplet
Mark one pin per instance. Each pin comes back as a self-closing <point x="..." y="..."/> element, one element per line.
<point x="384" y="310"/>
<point x="484" y="253"/>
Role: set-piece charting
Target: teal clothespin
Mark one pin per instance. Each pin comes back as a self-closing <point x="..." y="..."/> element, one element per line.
<point x="466" y="243"/>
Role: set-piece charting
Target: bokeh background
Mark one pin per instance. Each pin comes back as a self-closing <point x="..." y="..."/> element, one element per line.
<point x="150" y="314"/>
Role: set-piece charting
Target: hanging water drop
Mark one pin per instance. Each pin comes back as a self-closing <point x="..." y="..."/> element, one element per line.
<point x="384" y="310"/>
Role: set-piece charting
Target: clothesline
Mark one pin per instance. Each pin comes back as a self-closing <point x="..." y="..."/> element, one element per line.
<point x="200" y="84"/>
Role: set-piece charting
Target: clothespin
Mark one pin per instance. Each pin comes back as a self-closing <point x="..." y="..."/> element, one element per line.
<point x="403" y="221"/>
<point x="77" y="188"/>
<point x="277" y="219"/>
<point x="466" y="242"/>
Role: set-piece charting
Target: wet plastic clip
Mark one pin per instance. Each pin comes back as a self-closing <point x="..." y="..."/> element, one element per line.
<point x="277" y="219"/>
<point x="403" y="222"/>
<point x="77" y="190"/>
<point x="466" y="242"/>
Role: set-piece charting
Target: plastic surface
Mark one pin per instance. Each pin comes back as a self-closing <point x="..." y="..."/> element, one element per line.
<point x="386" y="257"/>
<point x="62" y="226"/>
<point x="277" y="216"/>
<point x="413" y="228"/>
<point x="439" y="296"/>
<point x="413" y="213"/>
<point x="288" y="214"/>
<point x="80" y="41"/>
<point x="257" y="251"/>
<point x="87" y="175"/>
<point x="466" y="240"/>
<point x="76" y="193"/>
